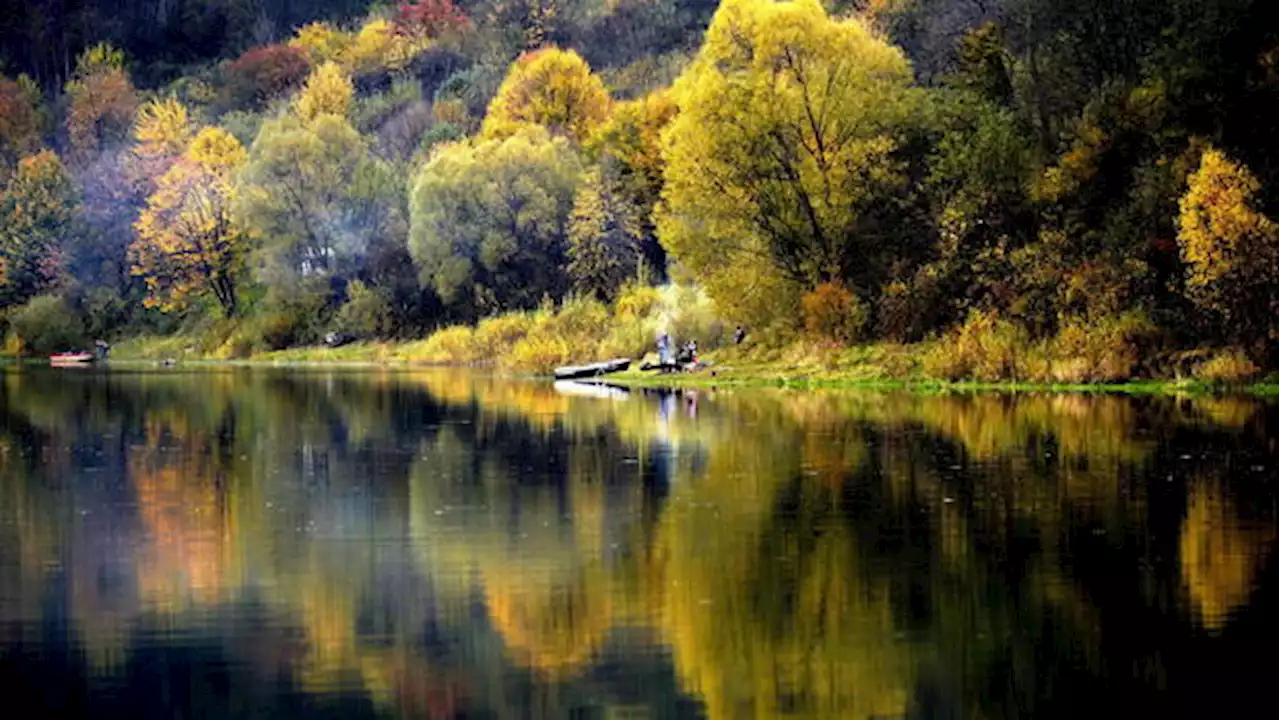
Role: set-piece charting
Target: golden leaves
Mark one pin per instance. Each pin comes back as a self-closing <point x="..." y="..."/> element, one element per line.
<point x="328" y="92"/>
<point x="162" y="127"/>
<point x="554" y="88"/>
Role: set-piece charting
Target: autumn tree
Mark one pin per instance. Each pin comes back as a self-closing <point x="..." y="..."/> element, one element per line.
<point x="36" y="209"/>
<point x="162" y="127"/>
<point x="328" y="91"/>
<point x="188" y="243"/>
<point x="1229" y="247"/>
<point x="102" y="101"/>
<point x="20" y="121"/>
<point x="316" y="196"/>
<point x="429" y="18"/>
<point x="606" y="239"/>
<point x="263" y="74"/>
<point x="551" y="87"/>
<point x="627" y="150"/>
<point x="488" y="220"/>
<point x="784" y="149"/>
<point x="321" y="42"/>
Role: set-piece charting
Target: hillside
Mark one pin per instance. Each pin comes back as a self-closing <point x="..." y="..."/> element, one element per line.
<point x="1083" y="191"/>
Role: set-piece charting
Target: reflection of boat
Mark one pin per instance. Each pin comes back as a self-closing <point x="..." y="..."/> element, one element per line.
<point x="572" y="372"/>
<point x="595" y="390"/>
<point x="72" y="358"/>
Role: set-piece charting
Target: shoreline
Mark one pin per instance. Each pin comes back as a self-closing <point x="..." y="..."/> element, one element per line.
<point x="757" y="375"/>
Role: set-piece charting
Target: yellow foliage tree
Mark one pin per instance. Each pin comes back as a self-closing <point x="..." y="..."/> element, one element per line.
<point x="162" y="128"/>
<point x="328" y="92"/>
<point x="782" y="147"/>
<point x="1229" y="248"/>
<point x="321" y="42"/>
<point x="187" y="240"/>
<point x="554" y="88"/>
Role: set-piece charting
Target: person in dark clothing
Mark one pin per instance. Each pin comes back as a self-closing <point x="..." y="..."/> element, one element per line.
<point x="739" y="335"/>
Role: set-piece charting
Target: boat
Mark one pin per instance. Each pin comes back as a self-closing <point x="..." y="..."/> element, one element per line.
<point x="72" y="358"/>
<point x="573" y="372"/>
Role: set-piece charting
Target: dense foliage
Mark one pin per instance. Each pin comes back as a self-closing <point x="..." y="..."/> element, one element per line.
<point x="1094" y="179"/>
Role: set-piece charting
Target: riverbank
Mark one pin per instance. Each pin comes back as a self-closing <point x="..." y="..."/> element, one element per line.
<point x="797" y="366"/>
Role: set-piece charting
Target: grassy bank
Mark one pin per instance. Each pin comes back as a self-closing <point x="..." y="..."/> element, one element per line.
<point x="799" y="365"/>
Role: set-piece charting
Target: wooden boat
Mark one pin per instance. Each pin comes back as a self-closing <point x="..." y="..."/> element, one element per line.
<point x="72" y="358"/>
<point x="573" y="372"/>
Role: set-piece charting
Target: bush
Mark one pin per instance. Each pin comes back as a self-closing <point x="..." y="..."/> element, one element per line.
<point x="636" y="300"/>
<point x="44" y="325"/>
<point x="832" y="312"/>
<point x="495" y="337"/>
<point x="366" y="313"/>
<point x="1229" y="366"/>
<point x="454" y="344"/>
<point x="985" y="348"/>
<point x="540" y="353"/>
<point x="1107" y="350"/>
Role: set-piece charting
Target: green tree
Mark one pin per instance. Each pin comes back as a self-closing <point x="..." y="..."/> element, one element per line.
<point x="488" y="220"/>
<point x="784" y="150"/>
<point x="606" y="239"/>
<point x="316" y="197"/>
<point x="36" y="209"/>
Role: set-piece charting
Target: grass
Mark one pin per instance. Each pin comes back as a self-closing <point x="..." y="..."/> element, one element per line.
<point x="983" y="355"/>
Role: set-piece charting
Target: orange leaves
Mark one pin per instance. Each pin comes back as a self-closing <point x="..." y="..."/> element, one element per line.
<point x="103" y="101"/>
<point x="832" y="312"/>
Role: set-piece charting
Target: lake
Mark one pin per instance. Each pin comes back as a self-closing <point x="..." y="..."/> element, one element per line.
<point x="253" y="542"/>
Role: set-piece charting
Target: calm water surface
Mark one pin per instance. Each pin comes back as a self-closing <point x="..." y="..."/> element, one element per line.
<point x="241" y="543"/>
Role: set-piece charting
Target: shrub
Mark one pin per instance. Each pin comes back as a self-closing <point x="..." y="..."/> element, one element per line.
<point x="984" y="348"/>
<point x="1229" y="366"/>
<point x="454" y="344"/>
<point x="44" y="325"/>
<point x="540" y="353"/>
<point x="366" y="313"/>
<point x="636" y="301"/>
<point x="832" y="312"/>
<point x="1106" y="350"/>
<point x="495" y="337"/>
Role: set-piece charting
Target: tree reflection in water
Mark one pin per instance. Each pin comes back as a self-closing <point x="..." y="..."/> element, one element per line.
<point x="439" y="543"/>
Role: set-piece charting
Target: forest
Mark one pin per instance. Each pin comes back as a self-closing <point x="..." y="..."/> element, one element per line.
<point x="1010" y="189"/>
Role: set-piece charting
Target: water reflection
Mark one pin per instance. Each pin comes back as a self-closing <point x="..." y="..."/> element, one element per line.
<point x="230" y="543"/>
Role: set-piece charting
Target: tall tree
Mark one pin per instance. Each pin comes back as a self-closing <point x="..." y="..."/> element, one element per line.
<point x="1229" y="248"/>
<point x="102" y="102"/>
<point x="316" y="196"/>
<point x="36" y="209"/>
<point x="786" y="148"/>
<point x="188" y="242"/>
<point x="488" y="220"/>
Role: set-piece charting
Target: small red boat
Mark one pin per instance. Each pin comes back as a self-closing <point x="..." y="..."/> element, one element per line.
<point x="72" y="358"/>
